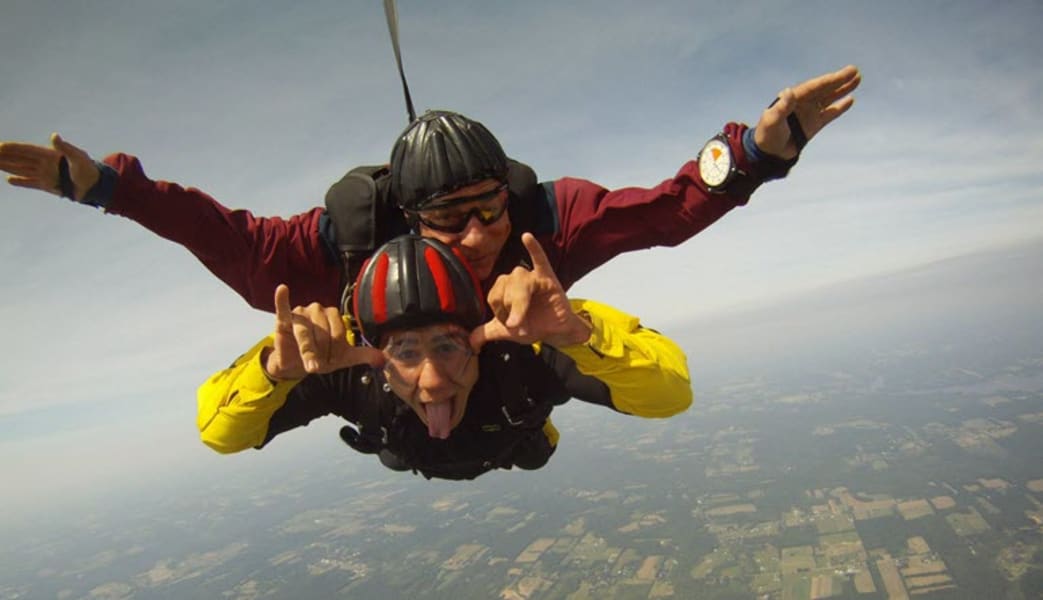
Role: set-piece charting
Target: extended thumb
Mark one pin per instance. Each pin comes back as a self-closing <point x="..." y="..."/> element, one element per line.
<point x="486" y="332"/>
<point x="373" y="357"/>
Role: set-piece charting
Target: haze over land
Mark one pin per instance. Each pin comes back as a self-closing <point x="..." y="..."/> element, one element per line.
<point x="872" y="438"/>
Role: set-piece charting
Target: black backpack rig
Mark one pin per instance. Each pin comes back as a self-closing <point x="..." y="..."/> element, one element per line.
<point x="361" y="216"/>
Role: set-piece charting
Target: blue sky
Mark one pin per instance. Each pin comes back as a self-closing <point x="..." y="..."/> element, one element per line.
<point x="264" y="104"/>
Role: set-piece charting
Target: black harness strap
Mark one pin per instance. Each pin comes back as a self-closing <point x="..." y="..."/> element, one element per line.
<point x="371" y="435"/>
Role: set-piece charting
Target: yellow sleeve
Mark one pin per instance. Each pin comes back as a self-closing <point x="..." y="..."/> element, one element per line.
<point x="551" y="432"/>
<point x="236" y="404"/>
<point x="645" y="371"/>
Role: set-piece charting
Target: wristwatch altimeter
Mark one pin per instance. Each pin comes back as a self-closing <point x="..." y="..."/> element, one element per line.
<point x="717" y="164"/>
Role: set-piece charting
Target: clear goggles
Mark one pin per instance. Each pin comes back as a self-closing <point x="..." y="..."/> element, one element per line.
<point x="449" y="350"/>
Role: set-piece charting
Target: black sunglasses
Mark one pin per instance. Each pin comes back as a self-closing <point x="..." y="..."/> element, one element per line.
<point x="453" y="216"/>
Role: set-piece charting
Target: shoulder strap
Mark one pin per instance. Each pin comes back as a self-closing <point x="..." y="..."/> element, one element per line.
<point x="533" y="206"/>
<point x="519" y="407"/>
<point x="373" y="432"/>
<point x="370" y="434"/>
<point x="363" y="217"/>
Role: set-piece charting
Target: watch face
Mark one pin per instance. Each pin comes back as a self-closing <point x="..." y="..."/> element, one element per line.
<point x="715" y="162"/>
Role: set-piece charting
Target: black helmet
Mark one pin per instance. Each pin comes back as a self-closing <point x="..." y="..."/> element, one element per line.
<point x="413" y="281"/>
<point x="439" y="153"/>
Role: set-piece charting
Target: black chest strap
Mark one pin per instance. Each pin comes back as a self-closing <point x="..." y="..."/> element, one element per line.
<point x="370" y="435"/>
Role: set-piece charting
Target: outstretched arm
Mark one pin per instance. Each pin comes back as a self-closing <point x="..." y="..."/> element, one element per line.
<point x="596" y="224"/>
<point x="252" y="255"/>
<point x="641" y="371"/>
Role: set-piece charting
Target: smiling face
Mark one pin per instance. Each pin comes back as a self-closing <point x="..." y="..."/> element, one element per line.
<point x="433" y="370"/>
<point x="480" y="244"/>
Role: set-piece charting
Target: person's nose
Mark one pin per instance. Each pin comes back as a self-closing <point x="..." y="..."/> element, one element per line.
<point x="433" y="383"/>
<point x="473" y="232"/>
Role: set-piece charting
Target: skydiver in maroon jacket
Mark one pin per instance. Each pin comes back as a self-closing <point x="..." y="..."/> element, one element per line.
<point x="583" y="226"/>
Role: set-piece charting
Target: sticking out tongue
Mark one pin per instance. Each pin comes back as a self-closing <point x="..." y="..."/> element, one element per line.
<point x="439" y="416"/>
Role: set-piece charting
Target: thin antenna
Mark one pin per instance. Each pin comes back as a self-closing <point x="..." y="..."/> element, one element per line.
<point x="392" y="15"/>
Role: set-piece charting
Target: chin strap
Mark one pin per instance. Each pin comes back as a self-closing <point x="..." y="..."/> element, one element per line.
<point x="392" y="15"/>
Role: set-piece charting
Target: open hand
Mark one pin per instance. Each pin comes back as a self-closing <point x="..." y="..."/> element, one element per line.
<point x="312" y="339"/>
<point x="816" y="103"/>
<point x="36" y="167"/>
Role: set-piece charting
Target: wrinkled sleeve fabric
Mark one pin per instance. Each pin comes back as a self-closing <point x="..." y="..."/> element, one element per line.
<point x="236" y="404"/>
<point x="645" y="373"/>
<point x="252" y="255"/>
<point x="596" y="224"/>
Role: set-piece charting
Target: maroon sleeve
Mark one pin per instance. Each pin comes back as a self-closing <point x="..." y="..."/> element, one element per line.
<point x="252" y="255"/>
<point x="597" y="224"/>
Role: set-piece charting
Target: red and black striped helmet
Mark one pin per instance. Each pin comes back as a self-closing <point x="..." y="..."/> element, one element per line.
<point x="414" y="281"/>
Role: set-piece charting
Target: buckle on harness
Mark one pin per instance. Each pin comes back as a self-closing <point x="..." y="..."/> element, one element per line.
<point x="361" y="442"/>
<point x="510" y="420"/>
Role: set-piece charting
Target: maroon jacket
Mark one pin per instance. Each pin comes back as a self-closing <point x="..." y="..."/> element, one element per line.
<point x="253" y="255"/>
